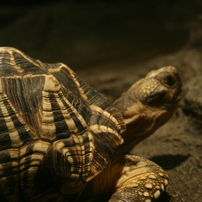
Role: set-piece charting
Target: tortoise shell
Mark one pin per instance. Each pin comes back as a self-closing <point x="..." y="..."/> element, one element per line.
<point x="54" y="128"/>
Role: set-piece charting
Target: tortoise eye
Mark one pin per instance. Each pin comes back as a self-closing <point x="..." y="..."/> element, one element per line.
<point x="170" y="80"/>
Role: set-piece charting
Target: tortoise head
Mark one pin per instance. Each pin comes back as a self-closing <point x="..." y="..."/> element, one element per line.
<point x="148" y="104"/>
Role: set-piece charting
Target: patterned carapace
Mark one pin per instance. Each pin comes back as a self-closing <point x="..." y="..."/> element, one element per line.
<point x="51" y="124"/>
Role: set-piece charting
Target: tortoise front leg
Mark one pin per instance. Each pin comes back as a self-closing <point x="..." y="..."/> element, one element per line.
<point x="130" y="178"/>
<point x="140" y="180"/>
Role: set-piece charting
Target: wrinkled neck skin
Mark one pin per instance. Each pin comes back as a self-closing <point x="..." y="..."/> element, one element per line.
<point x="141" y="121"/>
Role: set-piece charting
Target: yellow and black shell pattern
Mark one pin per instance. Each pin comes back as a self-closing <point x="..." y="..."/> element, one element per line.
<point x="54" y="127"/>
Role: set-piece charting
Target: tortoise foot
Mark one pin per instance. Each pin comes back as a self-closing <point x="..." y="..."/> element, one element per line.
<point x="141" y="181"/>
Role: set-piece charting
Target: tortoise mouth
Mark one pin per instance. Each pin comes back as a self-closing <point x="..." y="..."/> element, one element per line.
<point x="165" y="99"/>
<point x="177" y="94"/>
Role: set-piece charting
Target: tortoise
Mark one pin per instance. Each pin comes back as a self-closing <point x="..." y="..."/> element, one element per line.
<point x="61" y="140"/>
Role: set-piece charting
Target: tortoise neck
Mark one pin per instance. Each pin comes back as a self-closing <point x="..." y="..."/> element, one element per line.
<point x="140" y="124"/>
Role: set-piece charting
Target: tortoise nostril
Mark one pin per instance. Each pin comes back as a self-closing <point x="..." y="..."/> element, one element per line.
<point x="170" y="80"/>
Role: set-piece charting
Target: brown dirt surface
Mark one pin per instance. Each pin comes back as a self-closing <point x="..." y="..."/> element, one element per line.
<point x="111" y="45"/>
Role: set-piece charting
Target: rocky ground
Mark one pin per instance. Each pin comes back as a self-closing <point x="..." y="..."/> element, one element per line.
<point x="111" y="45"/>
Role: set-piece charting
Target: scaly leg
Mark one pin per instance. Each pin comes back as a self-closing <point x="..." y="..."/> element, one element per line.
<point x="129" y="178"/>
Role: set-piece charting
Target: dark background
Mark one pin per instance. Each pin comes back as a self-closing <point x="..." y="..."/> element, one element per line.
<point x="84" y="33"/>
<point x="111" y="44"/>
